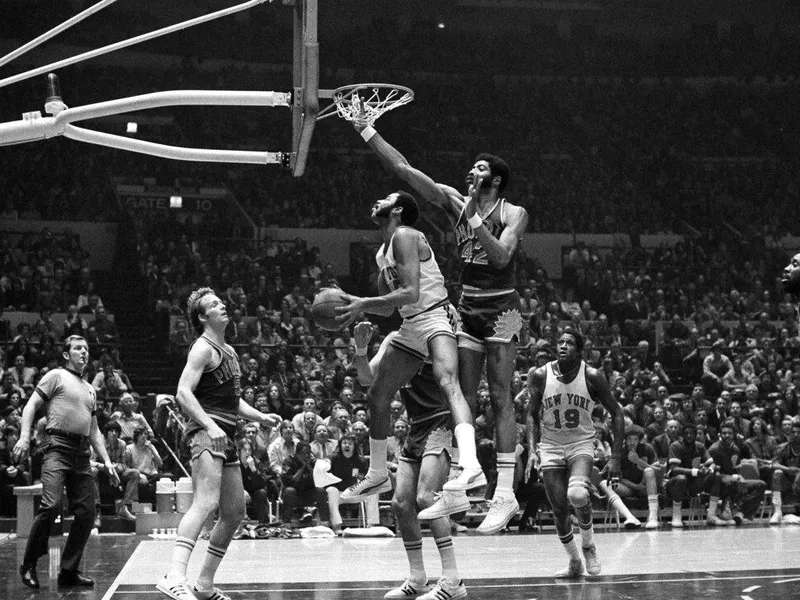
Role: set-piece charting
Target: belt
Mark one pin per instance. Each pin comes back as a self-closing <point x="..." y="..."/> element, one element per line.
<point x="73" y="437"/>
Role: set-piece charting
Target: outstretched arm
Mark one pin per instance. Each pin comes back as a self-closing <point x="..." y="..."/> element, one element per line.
<point x="442" y="196"/>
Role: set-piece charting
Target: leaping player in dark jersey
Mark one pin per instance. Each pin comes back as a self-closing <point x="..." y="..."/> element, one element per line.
<point x="563" y="394"/>
<point x="422" y="470"/>
<point x="488" y="229"/>
<point x="209" y="394"/>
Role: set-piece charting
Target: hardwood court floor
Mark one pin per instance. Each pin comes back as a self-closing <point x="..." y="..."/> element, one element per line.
<point x="750" y="563"/>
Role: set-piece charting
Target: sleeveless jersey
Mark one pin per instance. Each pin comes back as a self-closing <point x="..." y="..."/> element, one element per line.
<point x="218" y="391"/>
<point x="566" y="412"/>
<point x="423" y="397"/>
<point x="478" y="274"/>
<point x="431" y="281"/>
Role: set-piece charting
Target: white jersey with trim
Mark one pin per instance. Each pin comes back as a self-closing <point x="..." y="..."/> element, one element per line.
<point x="431" y="280"/>
<point x="566" y="411"/>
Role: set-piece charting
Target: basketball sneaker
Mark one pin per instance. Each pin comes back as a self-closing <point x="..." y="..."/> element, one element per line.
<point x="573" y="571"/>
<point x="652" y="523"/>
<point x="469" y="478"/>
<point x="592" y="562"/>
<point x="409" y="589"/>
<point x="445" y="503"/>
<point x="715" y="521"/>
<point x="501" y="509"/>
<point x="370" y="485"/>
<point x="175" y="589"/>
<point x="776" y="517"/>
<point x="444" y="590"/>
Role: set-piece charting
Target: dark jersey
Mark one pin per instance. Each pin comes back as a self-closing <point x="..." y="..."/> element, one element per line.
<point x="632" y="471"/>
<point x="423" y="397"/>
<point x="787" y="456"/>
<point x="478" y="273"/>
<point x="218" y="391"/>
<point x="688" y="457"/>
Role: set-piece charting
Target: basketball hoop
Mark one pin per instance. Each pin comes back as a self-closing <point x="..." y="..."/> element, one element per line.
<point x="363" y="103"/>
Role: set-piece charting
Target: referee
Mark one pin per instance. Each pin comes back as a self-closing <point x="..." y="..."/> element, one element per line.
<point x="71" y="427"/>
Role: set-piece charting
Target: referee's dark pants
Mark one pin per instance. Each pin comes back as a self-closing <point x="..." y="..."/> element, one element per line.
<point x="64" y="462"/>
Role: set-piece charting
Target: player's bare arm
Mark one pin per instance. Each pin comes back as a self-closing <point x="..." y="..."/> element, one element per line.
<point x="443" y="196"/>
<point x="405" y="245"/>
<point x="536" y="380"/>
<point x="200" y="356"/>
<point x="251" y="414"/>
<point x="601" y="392"/>
<point x="499" y="251"/>
<point x="367" y="368"/>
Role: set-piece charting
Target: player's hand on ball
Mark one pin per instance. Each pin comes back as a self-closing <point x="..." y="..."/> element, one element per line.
<point x="362" y="334"/>
<point x="350" y="311"/>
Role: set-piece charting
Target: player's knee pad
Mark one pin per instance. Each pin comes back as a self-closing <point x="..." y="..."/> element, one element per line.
<point x="578" y="491"/>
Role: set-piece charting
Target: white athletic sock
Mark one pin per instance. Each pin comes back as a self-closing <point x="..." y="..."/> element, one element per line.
<point x="181" y="552"/>
<point x="615" y="502"/>
<point x="777" y="501"/>
<point x="676" y="511"/>
<point x="214" y="556"/>
<point x="505" y="474"/>
<point x="377" y="455"/>
<point x="587" y="533"/>
<point x="652" y="505"/>
<point x="465" y="439"/>
<point x="570" y="546"/>
<point x="415" y="563"/>
<point x="712" y="506"/>
<point x="448" y="555"/>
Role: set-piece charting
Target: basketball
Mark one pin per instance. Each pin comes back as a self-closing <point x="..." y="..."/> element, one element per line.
<point x="324" y="308"/>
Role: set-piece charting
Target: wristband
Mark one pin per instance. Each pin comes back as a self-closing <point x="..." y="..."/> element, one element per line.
<point x="368" y="132"/>
<point x="475" y="221"/>
<point x="695" y="472"/>
<point x="361" y="351"/>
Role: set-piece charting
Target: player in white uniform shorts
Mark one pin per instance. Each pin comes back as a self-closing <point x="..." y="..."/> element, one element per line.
<point x="563" y="395"/>
<point x="410" y="281"/>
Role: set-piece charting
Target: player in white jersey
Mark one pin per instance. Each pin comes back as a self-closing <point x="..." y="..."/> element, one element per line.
<point x="410" y="280"/>
<point x="563" y="394"/>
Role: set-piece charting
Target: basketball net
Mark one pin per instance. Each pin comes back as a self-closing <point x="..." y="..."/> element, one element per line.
<point x="377" y="99"/>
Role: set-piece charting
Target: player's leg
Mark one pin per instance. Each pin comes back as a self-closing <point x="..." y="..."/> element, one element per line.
<point x="579" y="492"/>
<point x="395" y="369"/>
<point x="206" y="484"/>
<point x="433" y="473"/>
<point x="651" y="487"/>
<point x="500" y="357"/>
<point x="712" y="484"/>
<point x="780" y="483"/>
<point x="231" y="512"/>
<point x="614" y="498"/>
<point x="444" y="357"/>
<point x="676" y="491"/>
<point x="405" y="508"/>
<point x="555" y="485"/>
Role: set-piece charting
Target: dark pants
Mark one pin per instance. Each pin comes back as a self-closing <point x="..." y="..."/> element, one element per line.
<point x="679" y="487"/>
<point x="292" y="499"/>
<point x="65" y="463"/>
<point x="746" y="494"/>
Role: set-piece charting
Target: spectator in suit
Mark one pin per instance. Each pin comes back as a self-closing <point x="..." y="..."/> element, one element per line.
<point x="130" y="420"/>
<point x="23" y="375"/>
<point x="107" y="332"/>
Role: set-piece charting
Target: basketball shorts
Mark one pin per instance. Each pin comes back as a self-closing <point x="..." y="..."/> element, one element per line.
<point x="415" y="333"/>
<point x="431" y="436"/>
<point x="200" y="442"/>
<point x="489" y="319"/>
<point x="560" y="456"/>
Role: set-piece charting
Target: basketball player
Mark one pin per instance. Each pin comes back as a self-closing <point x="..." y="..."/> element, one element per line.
<point x="563" y="394"/>
<point x="209" y="394"/>
<point x="410" y="281"/>
<point x="487" y="231"/>
<point x="421" y="471"/>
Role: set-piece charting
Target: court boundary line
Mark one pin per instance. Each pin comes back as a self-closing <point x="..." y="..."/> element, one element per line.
<point x="112" y="589"/>
<point x="608" y="580"/>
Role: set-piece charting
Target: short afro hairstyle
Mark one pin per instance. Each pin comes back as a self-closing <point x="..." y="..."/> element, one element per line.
<point x="577" y="335"/>
<point x="408" y="203"/>
<point x="497" y="167"/>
